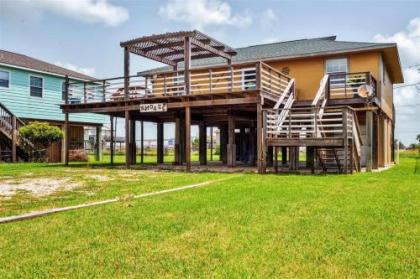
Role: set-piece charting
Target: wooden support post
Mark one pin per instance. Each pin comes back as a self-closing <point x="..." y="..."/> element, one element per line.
<point x="127" y="139"/>
<point x="231" y="147"/>
<point x="211" y="143"/>
<point x="98" y="149"/>
<point x="284" y="155"/>
<point x="133" y="145"/>
<point x="177" y="147"/>
<point x="260" y="140"/>
<point x="66" y="139"/>
<point x="310" y="158"/>
<point x="160" y="145"/>
<point x="346" y="142"/>
<point x="111" y="143"/>
<point x="142" y="142"/>
<point x="369" y="123"/>
<point x="188" y="138"/>
<point x="276" y="160"/>
<point x="223" y="143"/>
<point x="270" y="154"/>
<point x="202" y="143"/>
<point x="14" y="139"/>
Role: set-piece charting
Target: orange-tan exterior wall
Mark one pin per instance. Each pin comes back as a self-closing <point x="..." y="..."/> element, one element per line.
<point x="308" y="72"/>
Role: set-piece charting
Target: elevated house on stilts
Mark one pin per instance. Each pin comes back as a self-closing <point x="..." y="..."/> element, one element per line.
<point x="331" y="100"/>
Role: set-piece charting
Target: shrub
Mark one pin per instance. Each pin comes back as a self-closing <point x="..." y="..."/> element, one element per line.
<point x="78" y="155"/>
<point x="42" y="135"/>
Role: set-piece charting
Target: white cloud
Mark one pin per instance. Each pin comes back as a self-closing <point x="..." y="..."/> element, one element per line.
<point x="86" y="71"/>
<point x="268" y="19"/>
<point x="202" y="13"/>
<point x="408" y="41"/>
<point x="95" y="11"/>
<point x="407" y="98"/>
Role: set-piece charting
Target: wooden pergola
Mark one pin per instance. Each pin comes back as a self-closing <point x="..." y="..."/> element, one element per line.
<point x="171" y="49"/>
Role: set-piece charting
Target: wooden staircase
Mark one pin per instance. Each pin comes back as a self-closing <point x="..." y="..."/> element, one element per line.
<point x="13" y="147"/>
<point x="331" y="132"/>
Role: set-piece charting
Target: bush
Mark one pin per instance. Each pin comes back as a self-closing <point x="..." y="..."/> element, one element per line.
<point x="41" y="135"/>
<point x="78" y="155"/>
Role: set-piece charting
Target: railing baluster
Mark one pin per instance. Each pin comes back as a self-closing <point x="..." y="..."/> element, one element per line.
<point x="210" y="81"/>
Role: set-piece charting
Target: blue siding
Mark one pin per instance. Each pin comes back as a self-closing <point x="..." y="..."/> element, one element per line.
<point x="17" y="98"/>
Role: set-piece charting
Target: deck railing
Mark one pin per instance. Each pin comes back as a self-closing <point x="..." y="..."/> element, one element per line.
<point x="350" y="85"/>
<point x="213" y="80"/>
<point x="306" y="123"/>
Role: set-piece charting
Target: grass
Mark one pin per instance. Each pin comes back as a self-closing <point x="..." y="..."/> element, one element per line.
<point x="363" y="225"/>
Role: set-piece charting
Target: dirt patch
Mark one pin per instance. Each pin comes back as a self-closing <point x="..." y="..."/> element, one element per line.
<point x="97" y="177"/>
<point x="38" y="186"/>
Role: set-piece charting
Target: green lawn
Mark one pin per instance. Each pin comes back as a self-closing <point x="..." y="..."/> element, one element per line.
<point x="363" y="225"/>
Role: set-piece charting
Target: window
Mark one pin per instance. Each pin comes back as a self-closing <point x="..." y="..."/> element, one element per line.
<point x="336" y="65"/>
<point x="248" y="79"/>
<point x="36" y="86"/>
<point x="4" y="79"/>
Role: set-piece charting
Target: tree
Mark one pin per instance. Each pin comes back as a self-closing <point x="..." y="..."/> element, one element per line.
<point x="418" y="138"/>
<point x="42" y="135"/>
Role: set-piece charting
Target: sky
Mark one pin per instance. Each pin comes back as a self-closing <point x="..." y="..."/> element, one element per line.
<point x="84" y="35"/>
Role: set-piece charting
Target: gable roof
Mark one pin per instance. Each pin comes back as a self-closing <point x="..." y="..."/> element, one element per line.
<point x="287" y="50"/>
<point x="22" y="61"/>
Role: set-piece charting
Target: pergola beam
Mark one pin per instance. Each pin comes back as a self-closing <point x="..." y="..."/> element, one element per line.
<point x="211" y="49"/>
<point x="152" y="56"/>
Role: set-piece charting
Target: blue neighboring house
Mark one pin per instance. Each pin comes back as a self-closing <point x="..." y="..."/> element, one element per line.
<point x="32" y="90"/>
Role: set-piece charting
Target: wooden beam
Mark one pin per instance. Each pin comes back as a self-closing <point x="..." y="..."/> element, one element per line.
<point x="260" y="140"/>
<point x="160" y="143"/>
<point x="111" y="143"/>
<point x="202" y="143"/>
<point x="369" y="129"/>
<point x="126" y="72"/>
<point x="188" y="138"/>
<point x="321" y="142"/>
<point x="151" y="56"/>
<point x="231" y="147"/>
<point x="171" y="105"/>
<point x="66" y="139"/>
<point x="187" y="64"/>
<point x="133" y="146"/>
<point x="98" y="149"/>
<point x="142" y="142"/>
<point x="211" y="49"/>
<point x="127" y="139"/>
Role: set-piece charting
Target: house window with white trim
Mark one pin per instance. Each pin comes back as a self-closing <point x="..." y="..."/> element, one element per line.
<point x="4" y="79"/>
<point x="249" y="79"/>
<point x="337" y="68"/>
<point x="36" y="86"/>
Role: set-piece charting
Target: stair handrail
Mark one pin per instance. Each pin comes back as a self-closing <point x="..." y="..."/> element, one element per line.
<point x="9" y="124"/>
<point x="321" y="94"/>
<point x="288" y="92"/>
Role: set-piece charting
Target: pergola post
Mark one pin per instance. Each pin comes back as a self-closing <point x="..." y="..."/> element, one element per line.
<point x="127" y="139"/>
<point x="202" y="143"/>
<point x="127" y="113"/>
<point x="159" y="142"/>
